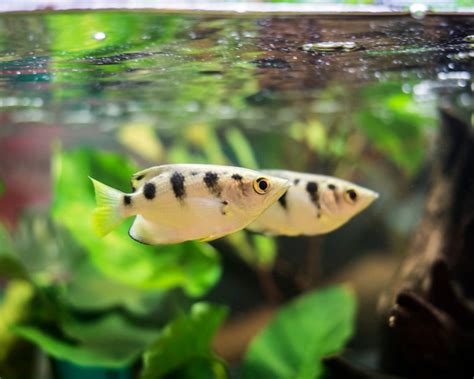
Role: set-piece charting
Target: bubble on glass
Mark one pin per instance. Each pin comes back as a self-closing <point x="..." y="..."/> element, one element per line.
<point x="330" y="46"/>
<point x="99" y="36"/>
<point x="406" y="88"/>
<point x="454" y="75"/>
<point x="465" y="100"/>
<point x="418" y="11"/>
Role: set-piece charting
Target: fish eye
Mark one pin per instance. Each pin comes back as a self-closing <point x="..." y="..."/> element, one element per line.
<point x="351" y="196"/>
<point x="261" y="185"/>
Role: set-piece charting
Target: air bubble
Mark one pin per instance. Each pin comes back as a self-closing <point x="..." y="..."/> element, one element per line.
<point x="406" y="88"/>
<point x="418" y="11"/>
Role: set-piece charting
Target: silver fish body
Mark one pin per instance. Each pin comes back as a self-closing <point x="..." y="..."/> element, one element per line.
<point x="314" y="204"/>
<point x="176" y="203"/>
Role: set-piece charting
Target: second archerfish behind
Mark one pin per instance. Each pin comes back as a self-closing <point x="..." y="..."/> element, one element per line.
<point x="176" y="203"/>
<point x="314" y="204"/>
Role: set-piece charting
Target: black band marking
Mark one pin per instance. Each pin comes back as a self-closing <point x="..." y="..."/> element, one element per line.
<point x="211" y="180"/>
<point x="312" y="189"/>
<point x="177" y="182"/>
<point x="333" y="188"/>
<point x="149" y="191"/>
<point x="127" y="200"/>
<point x="282" y="200"/>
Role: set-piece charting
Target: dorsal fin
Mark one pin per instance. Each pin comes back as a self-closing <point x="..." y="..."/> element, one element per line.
<point x="141" y="177"/>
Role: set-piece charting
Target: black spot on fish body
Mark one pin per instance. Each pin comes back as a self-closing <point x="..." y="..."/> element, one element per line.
<point x="312" y="189"/>
<point x="149" y="191"/>
<point x="296" y="181"/>
<point x="237" y="177"/>
<point x="133" y="189"/>
<point x="177" y="183"/>
<point x="224" y="203"/>
<point x="140" y="177"/>
<point x="282" y="200"/>
<point x="127" y="200"/>
<point x="193" y="173"/>
<point x="331" y="186"/>
<point x="211" y="180"/>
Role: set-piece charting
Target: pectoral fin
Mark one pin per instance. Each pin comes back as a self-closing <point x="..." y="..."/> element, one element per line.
<point x="150" y="233"/>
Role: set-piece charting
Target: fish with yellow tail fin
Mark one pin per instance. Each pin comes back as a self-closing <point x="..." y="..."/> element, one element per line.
<point x="182" y="202"/>
<point x="314" y="204"/>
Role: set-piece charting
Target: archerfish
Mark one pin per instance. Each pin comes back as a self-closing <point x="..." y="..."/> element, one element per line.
<point x="314" y="204"/>
<point x="181" y="202"/>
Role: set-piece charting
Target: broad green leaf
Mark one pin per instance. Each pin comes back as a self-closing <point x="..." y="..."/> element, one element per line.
<point x="2" y="187"/>
<point x="185" y="340"/>
<point x="111" y="341"/>
<point x="193" y="266"/>
<point x="302" y="332"/>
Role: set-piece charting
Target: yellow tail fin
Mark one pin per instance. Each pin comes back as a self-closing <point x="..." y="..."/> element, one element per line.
<point x="107" y="215"/>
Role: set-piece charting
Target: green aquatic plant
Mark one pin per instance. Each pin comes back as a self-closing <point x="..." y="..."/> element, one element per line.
<point x="396" y="125"/>
<point x="64" y="287"/>
<point x="109" y="341"/>
<point x="185" y="344"/>
<point x="310" y="327"/>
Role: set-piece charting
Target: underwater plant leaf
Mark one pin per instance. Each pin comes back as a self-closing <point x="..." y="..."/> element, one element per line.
<point x="266" y="249"/>
<point x="2" y="187"/>
<point x="11" y="266"/>
<point x="141" y="139"/>
<point x="302" y="332"/>
<point x="201" y="368"/>
<point x="184" y="340"/>
<point x="395" y="125"/>
<point x="205" y="139"/>
<point x="120" y="30"/>
<point x="111" y="341"/>
<point x="241" y="148"/>
<point x="193" y="266"/>
<point x="90" y="290"/>
<point x="13" y="308"/>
